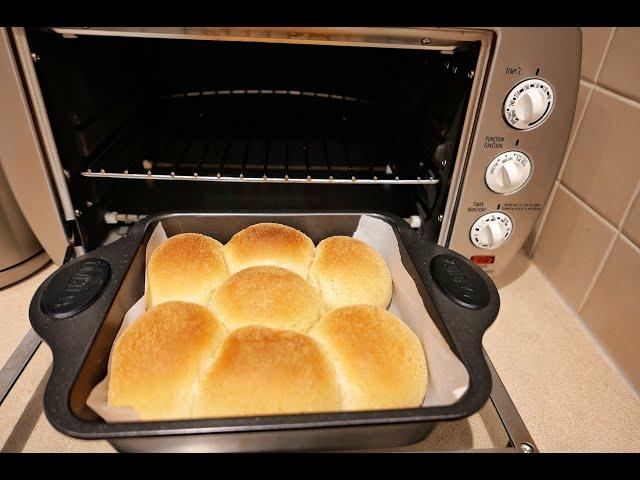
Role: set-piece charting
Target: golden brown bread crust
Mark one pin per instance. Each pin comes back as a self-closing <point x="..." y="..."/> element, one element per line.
<point x="260" y="371"/>
<point x="379" y="361"/>
<point x="268" y="296"/>
<point x="158" y="359"/>
<point x="270" y="244"/>
<point x="347" y="271"/>
<point x="186" y="267"/>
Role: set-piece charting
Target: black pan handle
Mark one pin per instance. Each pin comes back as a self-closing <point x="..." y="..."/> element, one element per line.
<point x="82" y="290"/>
<point x="467" y="303"/>
<point x="70" y="306"/>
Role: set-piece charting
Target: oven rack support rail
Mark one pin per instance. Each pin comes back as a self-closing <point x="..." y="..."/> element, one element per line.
<point x="344" y="169"/>
<point x="264" y="179"/>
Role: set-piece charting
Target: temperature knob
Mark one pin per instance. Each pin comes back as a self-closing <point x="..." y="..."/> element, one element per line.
<point x="528" y="104"/>
<point x="491" y="230"/>
<point x="508" y="172"/>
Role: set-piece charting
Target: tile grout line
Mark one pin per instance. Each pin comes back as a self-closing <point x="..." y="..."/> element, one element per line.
<point x="554" y="189"/>
<point x="593" y="340"/>
<point x="605" y="257"/>
<point x="543" y="218"/>
<point x="592" y="86"/>
<point x="618" y="235"/>
<point x="599" y="269"/>
<point x="608" y="250"/>
<point x="631" y="244"/>
<point x="628" y="208"/>
<point x="605" y="52"/>
<point x="594" y="212"/>
<point x="588" y="207"/>
<point x="617" y="96"/>
<point x="617" y="228"/>
<point x="572" y="140"/>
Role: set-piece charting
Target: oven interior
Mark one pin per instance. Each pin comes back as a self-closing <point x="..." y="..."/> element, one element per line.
<point x="251" y="110"/>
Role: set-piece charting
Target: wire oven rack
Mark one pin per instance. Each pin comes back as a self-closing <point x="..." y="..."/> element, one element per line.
<point x="258" y="135"/>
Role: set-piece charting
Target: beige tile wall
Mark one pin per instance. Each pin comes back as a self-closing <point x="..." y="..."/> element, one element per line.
<point x="587" y="242"/>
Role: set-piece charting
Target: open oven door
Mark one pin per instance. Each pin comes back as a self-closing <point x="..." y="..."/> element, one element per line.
<point x="24" y="161"/>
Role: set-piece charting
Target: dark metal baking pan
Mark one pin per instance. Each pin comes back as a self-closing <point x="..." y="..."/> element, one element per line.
<point x="82" y="340"/>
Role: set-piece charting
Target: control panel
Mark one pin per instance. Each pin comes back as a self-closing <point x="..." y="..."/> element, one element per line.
<point x="522" y="130"/>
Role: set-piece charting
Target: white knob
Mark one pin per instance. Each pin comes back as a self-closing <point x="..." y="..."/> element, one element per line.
<point x="508" y="172"/>
<point x="528" y="104"/>
<point x="531" y="105"/>
<point x="491" y="230"/>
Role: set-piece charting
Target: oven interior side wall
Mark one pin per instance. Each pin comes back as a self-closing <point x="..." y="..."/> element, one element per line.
<point x="195" y="106"/>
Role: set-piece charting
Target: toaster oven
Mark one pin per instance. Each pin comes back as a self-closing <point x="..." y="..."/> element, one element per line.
<point x="453" y="136"/>
<point x="461" y="131"/>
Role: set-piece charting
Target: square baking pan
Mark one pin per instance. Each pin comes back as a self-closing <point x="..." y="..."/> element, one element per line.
<point x="78" y="310"/>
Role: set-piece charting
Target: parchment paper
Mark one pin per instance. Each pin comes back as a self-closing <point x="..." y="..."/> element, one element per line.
<point x="447" y="377"/>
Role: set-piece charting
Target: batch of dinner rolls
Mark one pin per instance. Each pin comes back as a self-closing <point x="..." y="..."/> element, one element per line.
<point x="267" y="324"/>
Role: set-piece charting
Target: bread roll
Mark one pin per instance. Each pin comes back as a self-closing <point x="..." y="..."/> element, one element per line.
<point x="379" y="361"/>
<point x="268" y="296"/>
<point x="158" y="359"/>
<point x="186" y="267"/>
<point x="347" y="271"/>
<point x="260" y="371"/>
<point x="270" y="244"/>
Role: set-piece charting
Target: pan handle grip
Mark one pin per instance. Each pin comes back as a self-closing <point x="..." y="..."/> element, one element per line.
<point x="69" y="312"/>
<point x="69" y="307"/>
<point x="465" y="301"/>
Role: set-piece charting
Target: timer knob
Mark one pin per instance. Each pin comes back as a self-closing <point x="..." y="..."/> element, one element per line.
<point x="528" y="104"/>
<point x="491" y="230"/>
<point x="508" y="172"/>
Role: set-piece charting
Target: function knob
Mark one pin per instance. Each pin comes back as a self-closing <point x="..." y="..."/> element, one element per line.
<point x="491" y="230"/>
<point x="508" y="172"/>
<point x="528" y="104"/>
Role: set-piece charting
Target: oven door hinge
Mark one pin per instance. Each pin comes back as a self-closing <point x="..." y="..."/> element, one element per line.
<point x="76" y="246"/>
<point x="73" y="232"/>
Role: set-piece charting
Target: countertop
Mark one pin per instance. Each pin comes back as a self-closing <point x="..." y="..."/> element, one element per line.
<point x="567" y="391"/>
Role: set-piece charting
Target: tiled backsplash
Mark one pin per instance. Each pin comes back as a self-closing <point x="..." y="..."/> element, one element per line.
<point x="587" y="242"/>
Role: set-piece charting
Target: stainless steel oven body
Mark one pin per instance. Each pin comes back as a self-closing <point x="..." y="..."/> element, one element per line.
<point x="491" y="171"/>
